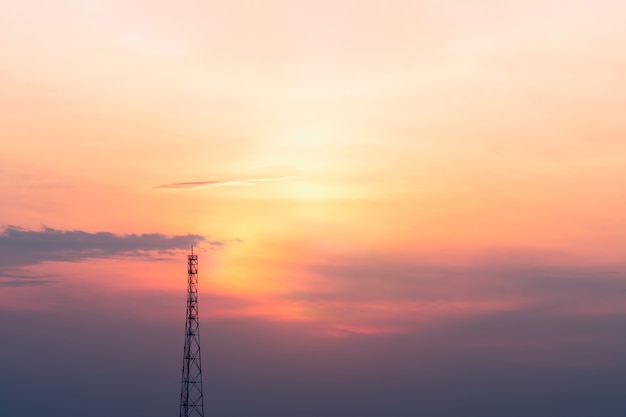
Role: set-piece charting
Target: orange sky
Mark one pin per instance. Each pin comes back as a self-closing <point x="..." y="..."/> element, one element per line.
<point x="345" y="131"/>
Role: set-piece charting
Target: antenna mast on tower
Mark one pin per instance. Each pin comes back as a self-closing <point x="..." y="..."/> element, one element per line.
<point x="191" y="399"/>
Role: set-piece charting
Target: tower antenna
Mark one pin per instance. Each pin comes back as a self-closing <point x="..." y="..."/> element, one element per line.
<point x="191" y="398"/>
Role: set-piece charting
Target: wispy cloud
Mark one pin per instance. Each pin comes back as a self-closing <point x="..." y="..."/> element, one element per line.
<point x="225" y="183"/>
<point x="18" y="278"/>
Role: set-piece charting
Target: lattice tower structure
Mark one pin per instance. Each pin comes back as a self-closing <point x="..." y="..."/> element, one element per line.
<point x="191" y="396"/>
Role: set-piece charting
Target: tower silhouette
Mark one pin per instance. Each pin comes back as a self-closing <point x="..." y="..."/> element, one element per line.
<point x="191" y="399"/>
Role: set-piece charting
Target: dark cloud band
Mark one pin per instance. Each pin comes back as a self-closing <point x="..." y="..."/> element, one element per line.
<point x="20" y="247"/>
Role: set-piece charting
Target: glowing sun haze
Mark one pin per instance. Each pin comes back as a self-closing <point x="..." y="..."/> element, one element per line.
<point x="361" y="168"/>
<point x="308" y="130"/>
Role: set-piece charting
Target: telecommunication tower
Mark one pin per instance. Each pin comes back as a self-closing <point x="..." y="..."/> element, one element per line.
<point x="191" y="401"/>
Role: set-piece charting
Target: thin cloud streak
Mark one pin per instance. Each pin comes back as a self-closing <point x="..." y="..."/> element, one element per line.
<point x="18" y="278"/>
<point x="226" y="183"/>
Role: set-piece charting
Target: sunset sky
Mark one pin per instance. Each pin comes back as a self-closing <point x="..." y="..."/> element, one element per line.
<point x="401" y="208"/>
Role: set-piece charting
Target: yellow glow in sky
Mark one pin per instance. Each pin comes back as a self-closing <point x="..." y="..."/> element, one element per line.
<point x="319" y="129"/>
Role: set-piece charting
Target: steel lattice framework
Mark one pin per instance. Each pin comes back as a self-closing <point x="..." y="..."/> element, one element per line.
<point x="191" y="399"/>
